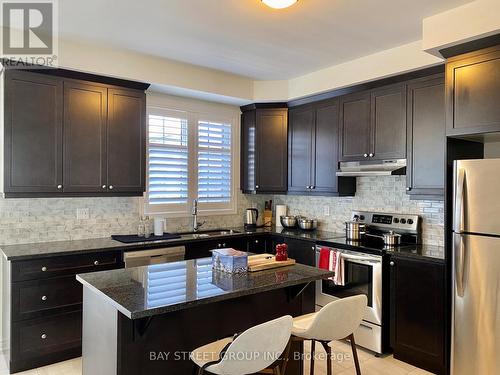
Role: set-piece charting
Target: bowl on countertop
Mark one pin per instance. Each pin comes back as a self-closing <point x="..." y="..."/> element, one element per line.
<point x="288" y="221"/>
<point x="307" y="224"/>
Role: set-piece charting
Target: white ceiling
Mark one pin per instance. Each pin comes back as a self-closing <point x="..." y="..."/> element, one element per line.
<point x="244" y="36"/>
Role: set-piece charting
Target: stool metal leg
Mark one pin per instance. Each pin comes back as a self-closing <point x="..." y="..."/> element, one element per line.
<point x="313" y="349"/>
<point x="328" y="351"/>
<point x="355" y="354"/>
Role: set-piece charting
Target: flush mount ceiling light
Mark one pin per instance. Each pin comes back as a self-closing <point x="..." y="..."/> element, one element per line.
<point x="279" y="4"/>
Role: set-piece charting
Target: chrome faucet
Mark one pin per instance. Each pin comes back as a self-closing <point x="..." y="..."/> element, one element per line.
<point x="196" y="225"/>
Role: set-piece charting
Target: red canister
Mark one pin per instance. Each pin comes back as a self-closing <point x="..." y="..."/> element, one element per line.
<point x="281" y="252"/>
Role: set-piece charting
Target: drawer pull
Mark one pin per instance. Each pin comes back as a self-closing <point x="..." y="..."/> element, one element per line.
<point x="96" y="263"/>
<point x="44" y="269"/>
<point x="43" y="336"/>
<point x="256" y="241"/>
<point x="44" y="298"/>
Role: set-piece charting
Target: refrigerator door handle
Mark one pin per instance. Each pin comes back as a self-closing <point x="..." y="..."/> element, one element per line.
<point x="459" y="252"/>
<point x="458" y="224"/>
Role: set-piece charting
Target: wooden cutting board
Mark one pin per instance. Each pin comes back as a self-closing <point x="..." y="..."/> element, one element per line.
<point x="262" y="262"/>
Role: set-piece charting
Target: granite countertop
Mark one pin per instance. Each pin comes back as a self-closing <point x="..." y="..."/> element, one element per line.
<point x="157" y="289"/>
<point x="47" y="249"/>
<point x="414" y="251"/>
<point x="420" y="251"/>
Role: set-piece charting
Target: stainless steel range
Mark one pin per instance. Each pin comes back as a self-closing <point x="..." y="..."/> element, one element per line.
<point x="362" y="267"/>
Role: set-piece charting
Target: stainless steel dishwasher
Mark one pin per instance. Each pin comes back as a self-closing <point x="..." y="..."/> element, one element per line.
<point x="154" y="256"/>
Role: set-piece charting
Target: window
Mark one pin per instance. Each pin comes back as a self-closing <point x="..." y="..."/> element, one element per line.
<point x="190" y="156"/>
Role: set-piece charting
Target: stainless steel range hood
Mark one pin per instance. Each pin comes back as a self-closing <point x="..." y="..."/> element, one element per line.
<point x="373" y="168"/>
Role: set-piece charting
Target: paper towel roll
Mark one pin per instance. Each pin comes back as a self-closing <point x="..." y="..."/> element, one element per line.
<point x="281" y="210"/>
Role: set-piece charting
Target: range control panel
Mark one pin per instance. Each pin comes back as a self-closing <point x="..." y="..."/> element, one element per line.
<point x="389" y="221"/>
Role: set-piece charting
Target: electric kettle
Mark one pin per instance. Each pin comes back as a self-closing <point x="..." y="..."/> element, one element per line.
<point x="251" y="216"/>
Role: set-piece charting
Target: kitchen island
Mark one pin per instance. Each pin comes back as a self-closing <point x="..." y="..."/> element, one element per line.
<point x="146" y="320"/>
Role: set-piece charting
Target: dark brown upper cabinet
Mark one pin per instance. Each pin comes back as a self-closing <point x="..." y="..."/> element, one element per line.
<point x="426" y="138"/>
<point x="313" y="151"/>
<point x="264" y="150"/>
<point x="85" y="114"/>
<point x="33" y="133"/>
<point x="373" y="124"/>
<point x="126" y="141"/>
<point x="389" y="123"/>
<point x="473" y="92"/>
<point x="355" y="127"/>
<point x="69" y="137"/>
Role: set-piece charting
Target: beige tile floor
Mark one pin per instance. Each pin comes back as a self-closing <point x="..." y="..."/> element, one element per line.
<point x="342" y="365"/>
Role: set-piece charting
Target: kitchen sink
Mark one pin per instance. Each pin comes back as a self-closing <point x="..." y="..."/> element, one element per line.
<point x="211" y="233"/>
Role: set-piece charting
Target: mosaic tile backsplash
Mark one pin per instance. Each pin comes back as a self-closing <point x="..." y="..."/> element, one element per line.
<point x="54" y="219"/>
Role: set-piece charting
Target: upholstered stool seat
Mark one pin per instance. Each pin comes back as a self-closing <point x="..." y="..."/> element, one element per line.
<point x="335" y="321"/>
<point x="253" y="351"/>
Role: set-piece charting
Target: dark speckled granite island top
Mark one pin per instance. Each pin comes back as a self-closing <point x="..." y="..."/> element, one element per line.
<point x="157" y="289"/>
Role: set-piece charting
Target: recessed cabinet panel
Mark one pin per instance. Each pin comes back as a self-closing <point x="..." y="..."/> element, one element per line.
<point x="355" y="127"/>
<point x="326" y="149"/>
<point x="473" y="91"/>
<point x="271" y="145"/>
<point x="126" y="140"/>
<point x="33" y="133"/>
<point x="85" y="111"/>
<point x="418" y="313"/>
<point x="426" y="138"/>
<point x="389" y="123"/>
<point x="300" y="149"/>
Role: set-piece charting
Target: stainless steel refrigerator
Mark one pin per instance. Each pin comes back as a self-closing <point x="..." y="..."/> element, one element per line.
<point x="476" y="268"/>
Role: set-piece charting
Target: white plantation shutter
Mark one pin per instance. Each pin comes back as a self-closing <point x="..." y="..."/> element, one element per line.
<point x="168" y="160"/>
<point x="190" y="156"/>
<point x="214" y="162"/>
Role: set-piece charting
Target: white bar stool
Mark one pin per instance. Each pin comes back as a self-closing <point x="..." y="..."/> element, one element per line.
<point x="253" y="351"/>
<point x="336" y="321"/>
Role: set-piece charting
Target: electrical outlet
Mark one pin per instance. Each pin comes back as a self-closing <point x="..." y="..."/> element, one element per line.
<point x="326" y="210"/>
<point x="83" y="213"/>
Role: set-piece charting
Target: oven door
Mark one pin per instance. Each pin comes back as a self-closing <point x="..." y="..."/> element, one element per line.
<point x="362" y="275"/>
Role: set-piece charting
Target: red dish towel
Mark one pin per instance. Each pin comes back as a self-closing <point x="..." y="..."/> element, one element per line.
<point x="328" y="260"/>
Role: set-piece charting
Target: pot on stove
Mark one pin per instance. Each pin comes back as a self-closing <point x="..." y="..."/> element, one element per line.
<point x="391" y="238"/>
<point x="354" y="230"/>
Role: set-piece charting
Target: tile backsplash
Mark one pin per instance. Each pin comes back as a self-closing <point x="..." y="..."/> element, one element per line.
<point x="54" y="219"/>
<point x="381" y="194"/>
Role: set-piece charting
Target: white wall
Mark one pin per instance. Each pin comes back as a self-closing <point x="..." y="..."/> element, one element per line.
<point x="379" y="65"/>
<point x="468" y="22"/>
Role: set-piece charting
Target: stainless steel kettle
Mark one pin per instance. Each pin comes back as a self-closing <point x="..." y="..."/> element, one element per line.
<point x="251" y="216"/>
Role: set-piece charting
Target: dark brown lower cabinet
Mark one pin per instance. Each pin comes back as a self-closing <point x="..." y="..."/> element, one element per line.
<point x="418" y="312"/>
<point x="202" y="249"/>
<point x="45" y="307"/>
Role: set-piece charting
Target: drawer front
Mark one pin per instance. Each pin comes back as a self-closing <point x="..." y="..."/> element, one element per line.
<point x="42" y="297"/>
<point x="64" y="265"/>
<point x="41" y="337"/>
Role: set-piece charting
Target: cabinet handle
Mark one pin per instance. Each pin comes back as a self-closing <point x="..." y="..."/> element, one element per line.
<point x="371" y="155"/>
<point x="256" y="186"/>
<point x="408" y="189"/>
<point x="44" y="269"/>
<point x="256" y="241"/>
<point x="223" y="245"/>
<point x="104" y="186"/>
<point x="313" y="187"/>
<point x="219" y="245"/>
<point x="365" y="155"/>
<point x="44" y="298"/>
<point x="313" y="248"/>
<point x="111" y="187"/>
<point x="59" y="187"/>
<point x="96" y="263"/>
<point x="43" y="336"/>
<point x="392" y="264"/>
